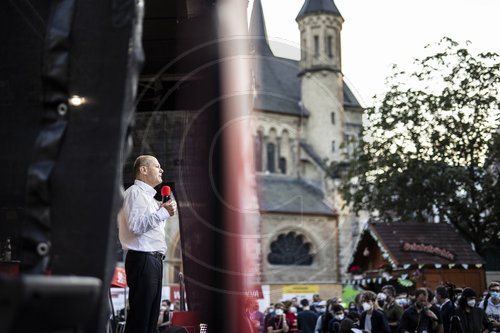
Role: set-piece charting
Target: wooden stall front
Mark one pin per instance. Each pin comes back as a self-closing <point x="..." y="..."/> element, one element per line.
<point x="414" y="255"/>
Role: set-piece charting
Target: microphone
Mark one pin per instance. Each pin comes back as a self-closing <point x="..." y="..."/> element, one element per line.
<point x="165" y="194"/>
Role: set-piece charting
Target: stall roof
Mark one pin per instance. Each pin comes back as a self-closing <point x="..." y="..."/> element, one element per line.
<point x="421" y="243"/>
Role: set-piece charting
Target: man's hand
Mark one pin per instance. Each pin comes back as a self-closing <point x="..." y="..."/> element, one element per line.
<point x="170" y="206"/>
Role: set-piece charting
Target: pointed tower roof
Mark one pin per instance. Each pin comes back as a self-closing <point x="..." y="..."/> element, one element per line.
<point x="258" y="34"/>
<point x="318" y="6"/>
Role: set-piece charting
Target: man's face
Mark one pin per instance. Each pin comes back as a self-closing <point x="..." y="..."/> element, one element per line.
<point x="421" y="301"/>
<point x="153" y="172"/>
<point x="438" y="297"/>
<point x="387" y="294"/>
<point x="495" y="294"/>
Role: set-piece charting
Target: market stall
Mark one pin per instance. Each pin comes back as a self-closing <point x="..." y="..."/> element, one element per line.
<point x="414" y="255"/>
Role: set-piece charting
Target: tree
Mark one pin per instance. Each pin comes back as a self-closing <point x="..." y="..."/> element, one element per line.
<point x="431" y="150"/>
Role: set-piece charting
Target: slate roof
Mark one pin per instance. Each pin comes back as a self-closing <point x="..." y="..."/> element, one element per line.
<point x="349" y="98"/>
<point x="278" y="86"/>
<point x="318" y="6"/>
<point x="258" y="32"/>
<point x="392" y="236"/>
<point x="276" y="79"/>
<point x="290" y="195"/>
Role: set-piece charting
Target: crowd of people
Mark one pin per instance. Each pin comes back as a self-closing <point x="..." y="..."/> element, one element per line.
<point x="441" y="310"/>
<point x="164" y="319"/>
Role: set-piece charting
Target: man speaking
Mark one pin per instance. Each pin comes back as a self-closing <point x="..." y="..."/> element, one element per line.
<point x="141" y="224"/>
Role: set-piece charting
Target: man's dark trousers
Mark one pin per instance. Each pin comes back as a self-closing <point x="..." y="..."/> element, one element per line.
<point x="144" y="279"/>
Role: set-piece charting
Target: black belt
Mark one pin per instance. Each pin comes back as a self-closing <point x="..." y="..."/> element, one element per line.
<point x="157" y="254"/>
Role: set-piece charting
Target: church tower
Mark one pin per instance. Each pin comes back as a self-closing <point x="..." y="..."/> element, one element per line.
<point x="321" y="76"/>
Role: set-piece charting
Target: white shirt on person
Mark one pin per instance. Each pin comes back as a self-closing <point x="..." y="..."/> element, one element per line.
<point x="368" y="322"/>
<point x="141" y="221"/>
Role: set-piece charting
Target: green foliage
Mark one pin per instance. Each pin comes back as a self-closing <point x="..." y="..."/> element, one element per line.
<point x="431" y="150"/>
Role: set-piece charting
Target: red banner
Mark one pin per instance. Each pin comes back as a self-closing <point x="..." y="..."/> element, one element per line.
<point x="120" y="278"/>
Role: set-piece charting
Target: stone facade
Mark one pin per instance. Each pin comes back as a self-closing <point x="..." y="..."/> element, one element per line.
<point x="302" y="145"/>
<point x="319" y="231"/>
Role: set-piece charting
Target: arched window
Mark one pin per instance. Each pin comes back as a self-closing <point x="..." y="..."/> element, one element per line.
<point x="282" y="165"/>
<point x="271" y="167"/>
<point x="316" y="46"/>
<point x="290" y="249"/>
<point x="258" y="151"/>
<point x="284" y="152"/>
<point x="304" y="49"/>
<point x="330" y="50"/>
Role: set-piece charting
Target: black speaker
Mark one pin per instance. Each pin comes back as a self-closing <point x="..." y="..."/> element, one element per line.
<point x="36" y="303"/>
<point x="68" y="75"/>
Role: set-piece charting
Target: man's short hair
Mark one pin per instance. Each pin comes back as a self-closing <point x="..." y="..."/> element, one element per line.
<point x="337" y="308"/>
<point x="421" y="291"/>
<point x="304" y="302"/>
<point x="369" y="296"/>
<point x="390" y="289"/>
<point x="143" y="160"/>
<point x="442" y="291"/>
<point x="430" y="295"/>
<point x="493" y="285"/>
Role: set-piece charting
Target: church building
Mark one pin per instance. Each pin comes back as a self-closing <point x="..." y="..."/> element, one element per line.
<point x="302" y="113"/>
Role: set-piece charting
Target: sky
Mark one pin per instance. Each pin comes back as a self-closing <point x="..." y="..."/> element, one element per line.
<point x="379" y="33"/>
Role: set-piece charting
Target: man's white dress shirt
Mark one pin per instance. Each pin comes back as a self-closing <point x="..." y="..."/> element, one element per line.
<point x="141" y="222"/>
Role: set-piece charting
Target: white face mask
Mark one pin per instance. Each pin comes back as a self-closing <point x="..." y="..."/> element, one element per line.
<point x="321" y="310"/>
<point x="278" y="312"/>
<point x="367" y="306"/>
<point x="339" y="317"/>
<point x="293" y="309"/>
<point x="471" y="303"/>
<point x="163" y="308"/>
<point x="435" y="300"/>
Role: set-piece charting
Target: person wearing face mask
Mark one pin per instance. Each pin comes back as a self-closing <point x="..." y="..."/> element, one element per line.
<point x="278" y="323"/>
<point x="418" y="318"/>
<point x="405" y="304"/>
<point x="393" y="311"/>
<point x="338" y="317"/>
<point x="164" y="318"/>
<point x="353" y="307"/>
<point x="491" y="306"/>
<point x="373" y="320"/>
<point x="472" y="318"/>
<point x="321" y="309"/>
<point x="291" y="316"/>
<point x="316" y="299"/>
<point x="381" y="297"/>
